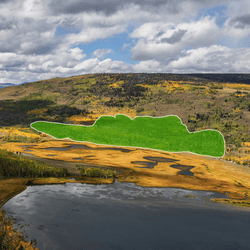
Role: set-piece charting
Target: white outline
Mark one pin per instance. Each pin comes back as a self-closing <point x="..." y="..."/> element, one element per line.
<point x="132" y="146"/>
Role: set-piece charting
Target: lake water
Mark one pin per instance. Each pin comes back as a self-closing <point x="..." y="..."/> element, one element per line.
<point x="78" y="216"/>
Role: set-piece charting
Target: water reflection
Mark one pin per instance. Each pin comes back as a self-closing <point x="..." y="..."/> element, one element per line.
<point x="121" y="192"/>
<point x="80" y="216"/>
<point x="185" y="169"/>
<point x="152" y="161"/>
<point x="80" y="146"/>
<point x="149" y="164"/>
<point x="160" y="159"/>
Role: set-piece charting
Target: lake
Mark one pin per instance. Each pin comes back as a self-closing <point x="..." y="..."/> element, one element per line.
<point x="78" y="216"/>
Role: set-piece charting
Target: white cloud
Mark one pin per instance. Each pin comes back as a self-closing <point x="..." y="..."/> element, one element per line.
<point x="112" y="66"/>
<point x="201" y="33"/>
<point x="100" y="53"/>
<point x="149" y="66"/>
<point x="89" y="35"/>
<point x="76" y="53"/>
<point x="212" y="59"/>
<point x="60" y="62"/>
<point x="238" y="8"/>
<point x="154" y="51"/>
<point x="159" y="41"/>
<point x="231" y="30"/>
<point x="163" y="30"/>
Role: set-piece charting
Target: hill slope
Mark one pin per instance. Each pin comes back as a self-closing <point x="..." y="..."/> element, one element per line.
<point x="164" y="133"/>
<point x="200" y="103"/>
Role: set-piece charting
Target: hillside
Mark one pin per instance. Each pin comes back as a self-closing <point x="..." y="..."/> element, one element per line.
<point x="160" y="133"/>
<point x="200" y="103"/>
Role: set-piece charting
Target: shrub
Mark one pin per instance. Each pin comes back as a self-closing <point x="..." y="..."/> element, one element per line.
<point x="19" y="138"/>
<point x="206" y="105"/>
<point x="96" y="172"/>
<point x="10" y="238"/>
<point x="12" y="165"/>
<point x="216" y="86"/>
<point x="138" y="110"/>
<point x="172" y="101"/>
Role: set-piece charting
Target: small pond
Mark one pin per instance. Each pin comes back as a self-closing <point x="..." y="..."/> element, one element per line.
<point x="126" y="216"/>
<point x="153" y="161"/>
<point x="80" y="146"/>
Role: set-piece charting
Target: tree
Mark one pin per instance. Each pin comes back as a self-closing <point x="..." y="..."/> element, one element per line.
<point x="10" y="238"/>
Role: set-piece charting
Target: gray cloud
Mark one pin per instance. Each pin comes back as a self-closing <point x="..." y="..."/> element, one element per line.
<point x="27" y="36"/>
<point x="109" y="6"/>
<point x="75" y="7"/>
<point x="34" y="47"/>
<point x="175" y="38"/>
<point x="39" y="24"/>
<point x="160" y="33"/>
<point x="241" y="21"/>
<point x="6" y="24"/>
<point x="41" y="50"/>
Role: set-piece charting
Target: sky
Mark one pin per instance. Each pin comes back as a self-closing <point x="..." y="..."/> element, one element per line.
<point x="43" y="39"/>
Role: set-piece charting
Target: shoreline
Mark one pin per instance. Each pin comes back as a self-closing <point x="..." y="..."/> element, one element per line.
<point x="102" y="200"/>
<point x="18" y="185"/>
<point x="208" y="174"/>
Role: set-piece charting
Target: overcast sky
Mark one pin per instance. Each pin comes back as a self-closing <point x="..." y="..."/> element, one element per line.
<point x="42" y="39"/>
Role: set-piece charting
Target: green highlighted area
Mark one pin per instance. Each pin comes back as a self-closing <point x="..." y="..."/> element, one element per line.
<point x="161" y="133"/>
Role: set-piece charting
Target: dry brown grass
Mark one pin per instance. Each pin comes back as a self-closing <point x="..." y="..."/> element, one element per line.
<point x="13" y="132"/>
<point x="210" y="174"/>
<point x="245" y="144"/>
<point x="236" y="86"/>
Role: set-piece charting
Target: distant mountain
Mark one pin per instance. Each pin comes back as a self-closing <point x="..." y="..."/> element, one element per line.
<point x="4" y="85"/>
